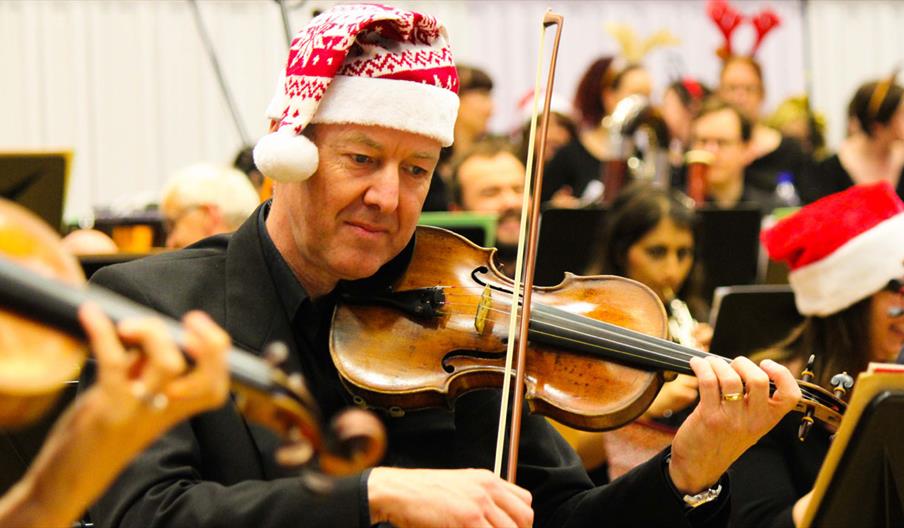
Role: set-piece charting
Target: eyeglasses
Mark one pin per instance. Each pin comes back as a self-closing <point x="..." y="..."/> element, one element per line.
<point x="169" y="224"/>
<point x="721" y="143"/>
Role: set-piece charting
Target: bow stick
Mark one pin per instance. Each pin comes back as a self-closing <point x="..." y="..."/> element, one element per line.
<point x="525" y="266"/>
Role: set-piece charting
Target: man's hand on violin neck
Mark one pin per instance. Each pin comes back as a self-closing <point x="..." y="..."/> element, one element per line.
<point x="720" y="430"/>
<point x="439" y="498"/>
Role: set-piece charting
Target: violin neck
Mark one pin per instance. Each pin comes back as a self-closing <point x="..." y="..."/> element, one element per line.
<point x="556" y="327"/>
<point x="56" y="304"/>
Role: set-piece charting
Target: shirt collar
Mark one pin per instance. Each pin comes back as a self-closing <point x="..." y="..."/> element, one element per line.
<point x="291" y="293"/>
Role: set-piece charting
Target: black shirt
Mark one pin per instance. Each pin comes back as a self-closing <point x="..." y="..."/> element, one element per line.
<point x="828" y="177"/>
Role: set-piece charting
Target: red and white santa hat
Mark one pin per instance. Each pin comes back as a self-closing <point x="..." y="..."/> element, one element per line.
<point x="841" y="249"/>
<point x="360" y="64"/>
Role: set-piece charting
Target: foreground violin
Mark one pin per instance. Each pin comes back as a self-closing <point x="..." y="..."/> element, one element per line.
<point x="597" y="351"/>
<point x="36" y="361"/>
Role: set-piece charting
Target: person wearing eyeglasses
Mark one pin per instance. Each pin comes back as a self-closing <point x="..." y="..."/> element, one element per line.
<point x="846" y="258"/>
<point x="203" y="200"/>
<point x="723" y="130"/>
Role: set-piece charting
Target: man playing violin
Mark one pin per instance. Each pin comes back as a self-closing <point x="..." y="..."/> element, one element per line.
<point x="365" y="104"/>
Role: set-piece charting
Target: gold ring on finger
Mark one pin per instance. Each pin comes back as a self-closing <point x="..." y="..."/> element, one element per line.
<point x="733" y="396"/>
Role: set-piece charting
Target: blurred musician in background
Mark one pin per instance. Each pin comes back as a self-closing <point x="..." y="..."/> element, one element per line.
<point x="649" y="237"/>
<point x="768" y="153"/>
<point x="725" y="131"/>
<point x="681" y="103"/>
<point x="202" y="200"/>
<point x="489" y="178"/>
<point x="874" y="151"/>
<point x="579" y="162"/>
<point x="846" y="254"/>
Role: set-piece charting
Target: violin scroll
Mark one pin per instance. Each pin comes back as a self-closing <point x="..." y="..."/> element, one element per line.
<point x="817" y="403"/>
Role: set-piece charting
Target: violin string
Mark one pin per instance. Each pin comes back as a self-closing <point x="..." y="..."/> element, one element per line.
<point x="806" y="393"/>
<point x="605" y="330"/>
<point x="634" y="351"/>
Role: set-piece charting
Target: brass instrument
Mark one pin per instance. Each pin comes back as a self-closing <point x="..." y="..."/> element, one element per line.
<point x="682" y="324"/>
<point x="639" y="139"/>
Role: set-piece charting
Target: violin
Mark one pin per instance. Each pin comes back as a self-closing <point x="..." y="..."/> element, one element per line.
<point x="42" y="347"/>
<point x="597" y="349"/>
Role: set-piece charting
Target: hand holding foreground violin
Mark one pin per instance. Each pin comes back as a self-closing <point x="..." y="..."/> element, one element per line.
<point x="139" y="395"/>
<point x="727" y="420"/>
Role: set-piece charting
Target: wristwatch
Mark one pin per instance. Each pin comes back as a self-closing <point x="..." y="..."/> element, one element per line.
<point x="709" y="495"/>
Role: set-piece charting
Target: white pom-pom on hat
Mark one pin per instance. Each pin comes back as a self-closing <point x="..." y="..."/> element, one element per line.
<point x="286" y="157"/>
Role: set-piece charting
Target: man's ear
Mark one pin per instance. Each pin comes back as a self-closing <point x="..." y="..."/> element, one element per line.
<point x="214" y="218"/>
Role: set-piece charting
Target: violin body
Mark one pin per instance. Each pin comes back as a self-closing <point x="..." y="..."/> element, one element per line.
<point x="397" y="361"/>
<point x="35" y="361"/>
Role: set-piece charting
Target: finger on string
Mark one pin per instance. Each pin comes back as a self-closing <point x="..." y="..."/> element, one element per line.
<point x="730" y="382"/>
<point x="755" y="380"/>
<point x="111" y="356"/>
<point x="207" y="344"/>
<point x="708" y="384"/>
<point x="787" y="391"/>
<point x="163" y="360"/>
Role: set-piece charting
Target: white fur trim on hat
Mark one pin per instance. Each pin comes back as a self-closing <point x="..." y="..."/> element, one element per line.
<point x="402" y="105"/>
<point x="854" y="271"/>
<point x="284" y="157"/>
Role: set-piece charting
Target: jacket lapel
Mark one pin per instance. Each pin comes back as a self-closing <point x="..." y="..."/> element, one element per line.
<point x="254" y="314"/>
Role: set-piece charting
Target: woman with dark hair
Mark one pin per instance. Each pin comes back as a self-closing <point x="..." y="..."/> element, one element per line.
<point x="874" y="151"/>
<point x="680" y="104"/>
<point x="649" y="238"/>
<point x="770" y="154"/>
<point x="580" y="161"/>
<point x="847" y="266"/>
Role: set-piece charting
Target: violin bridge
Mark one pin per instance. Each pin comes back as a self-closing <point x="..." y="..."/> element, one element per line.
<point x="483" y="308"/>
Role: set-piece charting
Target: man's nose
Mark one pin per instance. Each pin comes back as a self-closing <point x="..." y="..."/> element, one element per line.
<point x="512" y="199"/>
<point x="383" y="191"/>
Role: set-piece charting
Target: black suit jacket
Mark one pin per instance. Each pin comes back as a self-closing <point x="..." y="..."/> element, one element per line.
<point x="217" y="470"/>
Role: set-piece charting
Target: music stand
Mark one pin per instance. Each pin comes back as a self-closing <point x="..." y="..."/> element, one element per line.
<point x="479" y="228"/>
<point x="36" y="181"/>
<point x="728" y="245"/>
<point x="569" y="239"/>
<point x="861" y="481"/>
<point x="750" y="318"/>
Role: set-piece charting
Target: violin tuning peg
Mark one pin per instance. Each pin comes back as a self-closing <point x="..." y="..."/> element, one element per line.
<point x="841" y="384"/>
<point x="807" y="374"/>
<point x="806" y="423"/>
<point x="276" y="353"/>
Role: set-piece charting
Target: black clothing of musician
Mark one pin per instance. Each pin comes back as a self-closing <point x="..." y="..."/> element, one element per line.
<point x="828" y="177"/>
<point x="218" y="470"/>
<point x="773" y="474"/>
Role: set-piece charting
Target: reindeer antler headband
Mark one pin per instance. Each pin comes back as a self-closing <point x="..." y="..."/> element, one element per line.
<point x="728" y="19"/>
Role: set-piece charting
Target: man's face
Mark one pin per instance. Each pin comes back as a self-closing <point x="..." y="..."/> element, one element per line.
<point x="186" y="224"/>
<point x="494" y="185"/>
<point x="359" y="209"/>
<point x="720" y="133"/>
